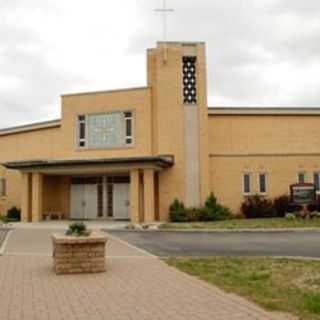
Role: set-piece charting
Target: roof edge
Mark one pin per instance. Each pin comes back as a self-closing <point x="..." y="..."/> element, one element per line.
<point x="216" y="111"/>
<point x="31" y="127"/>
<point x="164" y="161"/>
<point x="104" y="91"/>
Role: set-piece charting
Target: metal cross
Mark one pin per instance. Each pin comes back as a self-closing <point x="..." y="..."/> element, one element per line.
<point x="164" y="10"/>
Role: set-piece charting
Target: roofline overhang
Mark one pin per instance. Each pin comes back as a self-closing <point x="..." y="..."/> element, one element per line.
<point x="263" y="111"/>
<point x="31" y="127"/>
<point x="158" y="162"/>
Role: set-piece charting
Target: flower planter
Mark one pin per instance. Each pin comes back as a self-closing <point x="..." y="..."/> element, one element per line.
<point x="73" y="254"/>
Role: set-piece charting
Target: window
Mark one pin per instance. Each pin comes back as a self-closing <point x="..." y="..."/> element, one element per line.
<point x="246" y="183"/>
<point x="82" y="131"/>
<point x="301" y="177"/>
<point x="316" y="180"/>
<point x="129" y="127"/>
<point x="262" y="183"/>
<point x="105" y="130"/>
<point x="189" y="80"/>
<point x="3" y="187"/>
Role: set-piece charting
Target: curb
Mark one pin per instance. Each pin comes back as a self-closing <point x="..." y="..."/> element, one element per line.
<point x="5" y="242"/>
<point x="258" y="230"/>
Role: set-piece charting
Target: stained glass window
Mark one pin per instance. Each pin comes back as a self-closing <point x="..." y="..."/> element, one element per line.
<point x="105" y="130"/>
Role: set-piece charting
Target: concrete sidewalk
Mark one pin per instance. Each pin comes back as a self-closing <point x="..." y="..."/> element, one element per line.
<point x="136" y="286"/>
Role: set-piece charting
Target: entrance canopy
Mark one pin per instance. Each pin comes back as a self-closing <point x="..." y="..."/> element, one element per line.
<point x="118" y="188"/>
<point x="90" y="166"/>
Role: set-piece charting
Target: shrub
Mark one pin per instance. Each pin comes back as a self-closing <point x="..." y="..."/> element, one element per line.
<point x="257" y="207"/>
<point x="78" y="229"/>
<point x="290" y="216"/>
<point x="178" y="212"/>
<point x="281" y="205"/>
<point x="14" y="214"/>
<point x="213" y="211"/>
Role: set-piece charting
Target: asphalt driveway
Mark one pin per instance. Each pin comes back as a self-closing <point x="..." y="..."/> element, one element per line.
<point x="295" y="244"/>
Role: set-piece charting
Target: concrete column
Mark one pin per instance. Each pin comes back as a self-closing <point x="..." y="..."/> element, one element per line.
<point x="149" y="199"/>
<point x="37" y="194"/>
<point x="25" y="196"/>
<point x="134" y="196"/>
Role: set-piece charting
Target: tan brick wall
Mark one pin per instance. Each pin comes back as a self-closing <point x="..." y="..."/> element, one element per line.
<point x="283" y="145"/>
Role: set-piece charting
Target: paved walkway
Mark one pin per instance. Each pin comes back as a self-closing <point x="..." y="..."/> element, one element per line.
<point x="136" y="286"/>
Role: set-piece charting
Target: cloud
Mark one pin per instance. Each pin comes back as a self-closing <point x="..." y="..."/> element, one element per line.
<point x="250" y="43"/>
<point x="260" y="52"/>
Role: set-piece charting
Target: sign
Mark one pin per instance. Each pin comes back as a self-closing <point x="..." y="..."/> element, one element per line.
<point x="303" y="193"/>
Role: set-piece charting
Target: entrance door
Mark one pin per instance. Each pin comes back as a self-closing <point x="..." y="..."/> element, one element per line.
<point x="84" y="201"/>
<point x="121" y="201"/>
<point x="91" y="201"/>
<point x="77" y="207"/>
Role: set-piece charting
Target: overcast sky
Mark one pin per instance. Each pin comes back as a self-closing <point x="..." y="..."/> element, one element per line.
<point x="260" y="52"/>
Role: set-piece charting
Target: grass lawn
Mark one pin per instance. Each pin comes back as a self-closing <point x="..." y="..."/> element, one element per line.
<point x="273" y="223"/>
<point x="285" y="285"/>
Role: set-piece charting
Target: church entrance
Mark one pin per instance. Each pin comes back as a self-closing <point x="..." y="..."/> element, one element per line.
<point x="105" y="197"/>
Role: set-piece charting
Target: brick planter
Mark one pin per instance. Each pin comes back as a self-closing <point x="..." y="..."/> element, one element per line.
<point x="79" y="254"/>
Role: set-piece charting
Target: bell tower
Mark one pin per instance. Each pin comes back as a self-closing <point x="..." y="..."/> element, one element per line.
<point x="180" y="118"/>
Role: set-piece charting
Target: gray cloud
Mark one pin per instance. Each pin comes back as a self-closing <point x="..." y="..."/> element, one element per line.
<point x="29" y="84"/>
<point x="260" y="52"/>
<point x="245" y="38"/>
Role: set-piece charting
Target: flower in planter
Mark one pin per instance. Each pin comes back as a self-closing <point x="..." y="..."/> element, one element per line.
<point x="78" y="229"/>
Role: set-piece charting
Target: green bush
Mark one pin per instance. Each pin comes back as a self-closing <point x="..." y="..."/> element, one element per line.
<point x="14" y="214"/>
<point x="178" y="212"/>
<point x="258" y="207"/>
<point x="78" y="229"/>
<point x="281" y="205"/>
<point x="213" y="211"/>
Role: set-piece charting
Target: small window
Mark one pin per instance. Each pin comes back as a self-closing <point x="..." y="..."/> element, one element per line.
<point x="316" y="180"/>
<point x="81" y="131"/>
<point x="3" y="187"/>
<point x="247" y="183"/>
<point x="301" y="177"/>
<point x="262" y="183"/>
<point x="129" y="127"/>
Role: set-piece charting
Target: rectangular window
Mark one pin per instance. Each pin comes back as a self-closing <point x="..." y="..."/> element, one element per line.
<point x="82" y="131"/>
<point x="316" y="180"/>
<point x="246" y="183"/>
<point x="301" y="177"/>
<point x="106" y="130"/>
<point x="262" y="183"/>
<point x="129" y="127"/>
<point x="3" y="187"/>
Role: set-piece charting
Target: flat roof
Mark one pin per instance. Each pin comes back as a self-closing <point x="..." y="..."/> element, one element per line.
<point x="104" y="91"/>
<point x="216" y="111"/>
<point x="162" y="161"/>
<point x="31" y="127"/>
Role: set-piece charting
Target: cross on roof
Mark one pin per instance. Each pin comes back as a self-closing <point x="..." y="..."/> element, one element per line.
<point x="164" y="11"/>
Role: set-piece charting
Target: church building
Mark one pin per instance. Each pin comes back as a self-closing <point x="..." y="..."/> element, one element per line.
<point x="127" y="154"/>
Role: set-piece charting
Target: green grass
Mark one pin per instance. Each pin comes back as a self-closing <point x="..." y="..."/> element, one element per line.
<point x="284" y="285"/>
<point x="274" y="223"/>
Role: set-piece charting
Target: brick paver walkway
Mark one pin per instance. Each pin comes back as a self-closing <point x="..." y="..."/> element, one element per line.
<point x="136" y="286"/>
